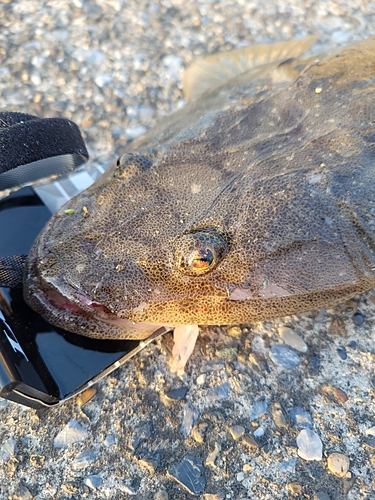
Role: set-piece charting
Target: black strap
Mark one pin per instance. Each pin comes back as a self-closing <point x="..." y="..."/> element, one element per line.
<point x="32" y="148"/>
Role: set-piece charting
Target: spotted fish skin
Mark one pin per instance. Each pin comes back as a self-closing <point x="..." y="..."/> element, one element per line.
<point x="271" y="175"/>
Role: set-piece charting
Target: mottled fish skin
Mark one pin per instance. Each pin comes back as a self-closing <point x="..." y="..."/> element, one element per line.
<point x="257" y="200"/>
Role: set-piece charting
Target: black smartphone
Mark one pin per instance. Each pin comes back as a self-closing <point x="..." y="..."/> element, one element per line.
<point x="41" y="365"/>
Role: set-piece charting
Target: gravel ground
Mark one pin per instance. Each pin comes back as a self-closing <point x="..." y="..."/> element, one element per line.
<point x="114" y="67"/>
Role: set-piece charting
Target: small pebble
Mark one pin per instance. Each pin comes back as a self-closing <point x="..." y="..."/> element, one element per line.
<point x="22" y="493"/>
<point x="318" y="90"/>
<point x="212" y="365"/>
<point x="109" y="440"/>
<point x="289" y="466"/>
<point x="3" y="403"/>
<point x="173" y="64"/>
<point x="7" y="450"/>
<point x="134" y="132"/>
<point x="310" y="446"/>
<point x="321" y="495"/>
<point x="259" y="408"/>
<point x="371" y="431"/>
<point x="234" y="331"/>
<point x="211" y="457"/>
<point x="201" y="379"/>
<point x="267" y="448"/>
<point x="353" y="344"/>
<point x="128" y="489"/>
<point x="319" y="320"/>
<point x="219" y="393"/>
<point x="150" y="459"/>
<point x="189" y="472"/>
<point x="358" y="319"/>
<point x="199" y="432"/>
<point x="259" y="432"/>
<point x="237" y="431"/>
<point x="73" y="432"/>
<point x="341" y="351"/>
<point x="300" y="417"/>
<point x="340" y="395"/>
<point x="102" y="80"/>
<point x="250" y="441"/>
<point x="279" y="416"/>
<point x="177" y="394"/>
<point x="190" y="416"/>
<point x="86" y="395"/>
<point x="37" y="460"/>
<point x="284" y="357"/>
<point x="143" y="432"/>
<point x="295" y="488"/>
<point x="370" y="441"/>
<point x="351" y="304"/>
<point x="83" y="460"/>
<point x="247" y="468"/>
<point x="314" y="362"/>
<point x="291" y="338"/>
<point x="227" y="354"/>
<point x="161" y="495"/>
<point x="258" y="345"/>
<point x="337" y="327"/>
<point x="91" y="56"/>
<point x="338" y="464"/>
<point x="94" y="482"/>
<point x="240" y="477"/>
<point x="259" y="361"/>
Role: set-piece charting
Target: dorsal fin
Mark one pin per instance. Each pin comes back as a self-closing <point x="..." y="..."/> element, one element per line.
<point x="214" y="70"/>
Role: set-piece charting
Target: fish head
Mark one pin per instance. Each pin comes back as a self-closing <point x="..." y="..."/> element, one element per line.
<point x="140" y="248"/>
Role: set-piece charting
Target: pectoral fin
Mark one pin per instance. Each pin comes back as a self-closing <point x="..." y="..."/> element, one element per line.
<point x="215" y="70"/>
<point x="184" y="337"/>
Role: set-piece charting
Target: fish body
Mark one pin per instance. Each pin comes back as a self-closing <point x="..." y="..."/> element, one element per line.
<point x="256" y="200"/>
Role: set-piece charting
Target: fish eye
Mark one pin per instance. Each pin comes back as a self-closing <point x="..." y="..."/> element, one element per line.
<point x="199" y="252"/>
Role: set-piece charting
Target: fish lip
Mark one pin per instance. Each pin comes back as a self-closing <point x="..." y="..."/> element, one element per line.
<point x="83" y="315"/>
<point x="46" y="298"/>
<point x="83" y="320"/>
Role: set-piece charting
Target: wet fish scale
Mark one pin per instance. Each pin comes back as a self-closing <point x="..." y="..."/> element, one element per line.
<point x="278" y="162"/>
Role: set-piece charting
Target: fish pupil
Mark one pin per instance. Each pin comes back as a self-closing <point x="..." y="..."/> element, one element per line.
<point x="199" y="252"/>
<point x="201" y="258"/>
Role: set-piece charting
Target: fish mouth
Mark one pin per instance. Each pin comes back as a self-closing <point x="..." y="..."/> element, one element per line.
<point x="82" y="315"/>
<point x="69" y="308"/>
